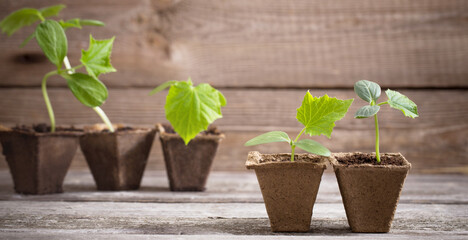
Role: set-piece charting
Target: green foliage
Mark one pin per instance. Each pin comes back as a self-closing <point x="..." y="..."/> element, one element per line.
<point x="88" y="90"/>
<point x="401" y="102"/>
<point x="97" y="58"/>
<point x="190" y="109"/>
<point x="318" y="115"/>
<point x="269" y="137"/>
<point x="370" y="92"/>
<point x="27" y="16"/>
<point x="51" y="38"/>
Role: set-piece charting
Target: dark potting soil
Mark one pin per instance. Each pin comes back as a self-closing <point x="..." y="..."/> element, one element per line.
<point x="43" y="128"/>
<point x="212" y="130"/>
<point x="367" y="158"/>
<point x="120" y="129"/>
<point x="284" y="157"/>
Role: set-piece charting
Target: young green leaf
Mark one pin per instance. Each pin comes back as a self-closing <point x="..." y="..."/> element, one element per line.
<point x="52" y="40"/>
<point x="51" y="11"/>
<point x="18" y="19"/>
<point x="97" y="58"/>
<point x="78" y="23"/>
<point x="162" y="87"/>
<point x="319" y="114"/>
<point x="88" y="90"/>
<point x="367" y="90"/>
<point x="399" y="101"/>
<point x="191" y="109"/>
<point x="269" y="137"/>
<point x="313" y="147"/>
<point x="367" y="111"/>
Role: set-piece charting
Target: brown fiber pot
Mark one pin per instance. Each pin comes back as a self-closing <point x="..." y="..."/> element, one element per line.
<point x="38" y="161"/>
<point x="188" y="166"/>
<point x="289" y="188"/>
<point x="117" y="160"/>
<point x="370" y="192"/>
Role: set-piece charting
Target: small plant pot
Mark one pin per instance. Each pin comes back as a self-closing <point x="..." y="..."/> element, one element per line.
<point x="289" y="189"/>
<point x="188" y="166"/>
<point x="370" y="191"/>
<point x="117" y="159"/>
<point x="38" y="159"/>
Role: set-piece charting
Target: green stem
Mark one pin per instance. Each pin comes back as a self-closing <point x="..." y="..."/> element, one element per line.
<point x="377" y="153"/>
<point x="293" y="144"/>
<point x="47" y="100"/>
<point x="104" y="118"/>
<point x="98" y="110"/>
<point x="382" y="103"/>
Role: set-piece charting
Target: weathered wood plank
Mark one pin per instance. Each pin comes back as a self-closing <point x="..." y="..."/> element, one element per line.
<point x="209" y="219"/>
<point x="434" y="140"/>
<point x="229" y="187"/>
<point x="262" y="43"/>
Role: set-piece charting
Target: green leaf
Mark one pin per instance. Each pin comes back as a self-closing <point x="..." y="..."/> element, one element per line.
<point x="97" y="58"/>
<point x="52" y="40"/>
<point x="78" y="23"/>
<point x="18" y="19"/>
<point x="367" y="90"/>
<point x="319" y="114"/>
<point x="52" y="10"/>
<point x="191" y="109"/>
<point x="162" y="87"/>
<point x="88" y="90"/>
<point x="269" y="137"/>
<point x="313" y="147"/>
<point x="399" y="101"/>
<point x="367" y="111"/>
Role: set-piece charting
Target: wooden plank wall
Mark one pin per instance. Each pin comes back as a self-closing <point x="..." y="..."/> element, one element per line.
<point x="264" y="55"/>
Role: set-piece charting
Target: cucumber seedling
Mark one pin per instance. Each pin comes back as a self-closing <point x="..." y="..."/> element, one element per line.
<point x="191" y="109"/>
<point x="318" y="115"/>
<point x="51" y="37"/>
<point x="370" y="92"/>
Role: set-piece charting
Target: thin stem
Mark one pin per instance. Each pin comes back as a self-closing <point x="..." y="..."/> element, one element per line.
<point x="382" y="103"/>
<point x="98" y="110"/>
<point x="293" y="144"/>
<point x="47" y="100"/>
<point x="293" y="147"/>
<point x="377" y="152"/>
<point x="104" y="118"/>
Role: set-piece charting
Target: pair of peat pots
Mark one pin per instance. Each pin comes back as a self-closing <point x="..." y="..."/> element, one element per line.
<point x="370" y="191"/>
<point x="39" y="160"/>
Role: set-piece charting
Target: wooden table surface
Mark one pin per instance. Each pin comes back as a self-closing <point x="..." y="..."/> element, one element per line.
<point x="431" y="206"/>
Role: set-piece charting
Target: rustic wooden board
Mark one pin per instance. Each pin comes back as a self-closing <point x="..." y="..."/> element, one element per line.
<point x="432" y="206"/>
<point x="437" y="139"/>
<point x="261" y="43"/>
<point x="233" y="187"/>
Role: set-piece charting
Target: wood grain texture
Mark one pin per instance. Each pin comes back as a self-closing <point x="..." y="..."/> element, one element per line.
<point x="428" y="208"/>
<point x="232" y="187"/>
<point x="262" y="43"/>
<point x="435" y="140"/>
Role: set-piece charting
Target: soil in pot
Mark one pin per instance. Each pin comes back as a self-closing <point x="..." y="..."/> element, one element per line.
<point x="38" y="159"/>
<point x="289" y="189"/>
<point x="117" y="159"/>
<point x="370" y="190"/>
<point x="188" y="166"/>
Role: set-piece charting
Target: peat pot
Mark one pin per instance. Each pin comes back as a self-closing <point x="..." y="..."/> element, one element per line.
<point x="289" y="189"/>
<point x="117" y="159"/>
<point x="370" y="191"/>
<point x="39" y="159"/>
<point x="188" y="166"/>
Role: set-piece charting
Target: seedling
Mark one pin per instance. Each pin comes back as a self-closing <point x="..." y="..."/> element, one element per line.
<point x="190" y="109"/>
<point x="318" y="115"/>
<point x="370" y="92"/>
<point x="50" y="35"/>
